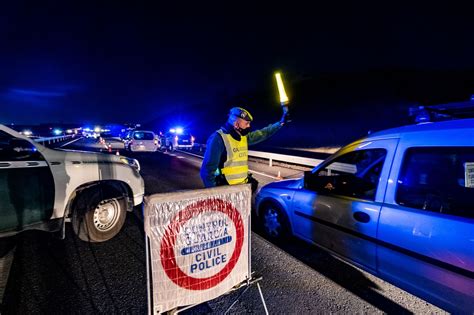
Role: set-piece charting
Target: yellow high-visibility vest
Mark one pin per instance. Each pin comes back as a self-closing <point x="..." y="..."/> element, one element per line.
<point x="236" y="167"/>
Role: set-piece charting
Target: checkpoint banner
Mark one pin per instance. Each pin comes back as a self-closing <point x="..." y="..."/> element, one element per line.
<point x="198" y="243"/>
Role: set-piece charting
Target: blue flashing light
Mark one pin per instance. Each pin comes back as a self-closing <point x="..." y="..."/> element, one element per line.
<point x="57" y="132"/>
<point x="423" y="116"/>
<point x="172" y="130"/>
<point x="179" y="130"/>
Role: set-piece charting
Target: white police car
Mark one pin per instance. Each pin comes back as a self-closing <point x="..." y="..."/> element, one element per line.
<point x="42" y="188"/>
<point x="398" y="203"/>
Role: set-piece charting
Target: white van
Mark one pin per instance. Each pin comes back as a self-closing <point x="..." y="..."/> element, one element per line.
<point x="142" y="140"/>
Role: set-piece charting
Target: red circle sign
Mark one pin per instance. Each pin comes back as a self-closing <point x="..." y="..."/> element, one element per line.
<point x="167" y="253"/>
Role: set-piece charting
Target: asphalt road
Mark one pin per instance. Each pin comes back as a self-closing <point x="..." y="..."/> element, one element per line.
<point x="50" y="275"/>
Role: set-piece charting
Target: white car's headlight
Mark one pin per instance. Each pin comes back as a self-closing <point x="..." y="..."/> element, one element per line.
<point x="132" y="162"/>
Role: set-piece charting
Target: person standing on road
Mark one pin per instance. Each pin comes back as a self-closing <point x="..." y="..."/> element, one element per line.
<point x="226" y="157"/>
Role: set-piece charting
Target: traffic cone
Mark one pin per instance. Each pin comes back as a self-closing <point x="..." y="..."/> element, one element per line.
<point x="110" y="148"/>
<point x="279" y="176"/>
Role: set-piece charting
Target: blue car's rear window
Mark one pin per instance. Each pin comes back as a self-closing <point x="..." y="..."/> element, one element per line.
<point x="438" y="179"/>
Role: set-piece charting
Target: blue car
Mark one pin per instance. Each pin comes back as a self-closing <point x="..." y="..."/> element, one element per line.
<point x="398" y="203"/>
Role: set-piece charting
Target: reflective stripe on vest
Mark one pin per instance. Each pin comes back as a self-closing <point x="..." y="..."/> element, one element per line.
<point x="235" y="168"/>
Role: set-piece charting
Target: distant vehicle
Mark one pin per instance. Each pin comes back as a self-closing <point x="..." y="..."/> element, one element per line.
<point x="108" y="135"/>
<point x="177" y="139"/>
<point x="398" y="203"/>
<point x="89" y="134"/>
<point x="141" y="140"/>
<point x="42" y="189"/>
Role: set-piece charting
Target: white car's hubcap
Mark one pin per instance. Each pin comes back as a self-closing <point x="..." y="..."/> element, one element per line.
<point x="106" y="214"/>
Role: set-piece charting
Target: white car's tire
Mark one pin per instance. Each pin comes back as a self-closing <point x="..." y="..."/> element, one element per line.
<point x="99" y="220"/>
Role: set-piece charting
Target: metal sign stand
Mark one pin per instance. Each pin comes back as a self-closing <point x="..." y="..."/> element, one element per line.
<point x="148" y="277"/>
<point x="246" y="283"/>
<point x="254" y="279"/>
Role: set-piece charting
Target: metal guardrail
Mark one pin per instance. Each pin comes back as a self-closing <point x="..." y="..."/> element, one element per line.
<point x="50" y="140"/>
<point x="285" y="158"/>
<point x="298" y="160"/>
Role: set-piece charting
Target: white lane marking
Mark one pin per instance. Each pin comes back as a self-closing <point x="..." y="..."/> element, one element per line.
<point x="180" y="157"/>
<point x="70" y="142"/>
<point x="199" y="156"/>
<point x="263" y="174"/>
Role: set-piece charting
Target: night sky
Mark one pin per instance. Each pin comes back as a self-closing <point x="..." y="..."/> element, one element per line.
<point x="159" y="66"/>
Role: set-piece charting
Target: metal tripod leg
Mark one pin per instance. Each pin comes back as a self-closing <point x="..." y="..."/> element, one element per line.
<point x="261" y="297"/>
<point x="242" y="293"/>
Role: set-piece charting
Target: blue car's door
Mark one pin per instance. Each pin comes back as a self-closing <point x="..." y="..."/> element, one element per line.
<point x="426" y="227"/>
<point x="340" y="204"/>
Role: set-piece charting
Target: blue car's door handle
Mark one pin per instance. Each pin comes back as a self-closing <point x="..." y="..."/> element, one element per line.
<point x="361" y="216"/>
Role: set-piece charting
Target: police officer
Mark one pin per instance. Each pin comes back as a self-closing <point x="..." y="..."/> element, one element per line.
<point x="226" y="157"/>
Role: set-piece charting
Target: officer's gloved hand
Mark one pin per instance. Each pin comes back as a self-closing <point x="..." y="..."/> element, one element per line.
<point x="285" y="118"/>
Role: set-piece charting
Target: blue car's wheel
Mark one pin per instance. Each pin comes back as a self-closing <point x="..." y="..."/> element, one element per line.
<point x="273" y="222"/>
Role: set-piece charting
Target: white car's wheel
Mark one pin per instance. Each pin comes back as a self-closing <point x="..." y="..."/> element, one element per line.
<point x="100" y="220"/>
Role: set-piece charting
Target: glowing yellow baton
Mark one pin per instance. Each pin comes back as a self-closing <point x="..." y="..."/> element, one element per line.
<point x="284" y="101"/>
<point x="281" y="90"/>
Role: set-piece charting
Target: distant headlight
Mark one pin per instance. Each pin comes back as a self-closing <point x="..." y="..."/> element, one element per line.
<point x="132" y="162"/>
